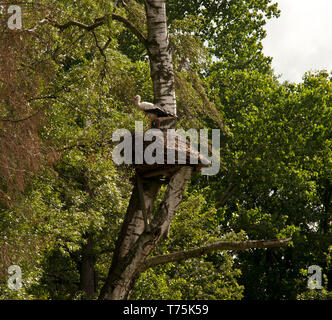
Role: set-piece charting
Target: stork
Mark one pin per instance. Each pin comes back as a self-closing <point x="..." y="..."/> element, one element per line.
<point x="152" y="111"/>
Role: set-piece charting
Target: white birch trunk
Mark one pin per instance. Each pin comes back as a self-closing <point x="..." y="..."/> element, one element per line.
<point x="125" y="270"/>
<point x="159" y="50"/>
<point x="135" y="242"/>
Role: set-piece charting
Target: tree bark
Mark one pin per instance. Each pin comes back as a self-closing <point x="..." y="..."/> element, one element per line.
<point x="87" y="269"/>
<point x="136" y="243"/>
<point x="215" y="246"/>
<point x="160" y="54"/>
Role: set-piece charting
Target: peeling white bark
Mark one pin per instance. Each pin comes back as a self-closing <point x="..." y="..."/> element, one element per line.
<point x="173" y="198"/>
<point x="159" y="50"/>
<point x="135" y="224"/>
<point x="135" y="242"/>
<point x="124" y="271"/>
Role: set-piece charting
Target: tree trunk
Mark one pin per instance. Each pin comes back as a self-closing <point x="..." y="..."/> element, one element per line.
<point x="135" y="241"/>
<point x="87" y="269"/>
<point x="132" y="229"/>
<point x="161" y="62"/>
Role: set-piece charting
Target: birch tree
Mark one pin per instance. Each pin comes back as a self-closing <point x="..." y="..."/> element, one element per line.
<point x="137" y="239"/>
<point x="144" y="227"/>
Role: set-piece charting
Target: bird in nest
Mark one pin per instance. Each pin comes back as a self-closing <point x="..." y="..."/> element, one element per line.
<point x="152" y="111"/>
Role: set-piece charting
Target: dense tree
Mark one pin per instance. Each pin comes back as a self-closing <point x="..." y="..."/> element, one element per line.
<point x="77" y="228"/>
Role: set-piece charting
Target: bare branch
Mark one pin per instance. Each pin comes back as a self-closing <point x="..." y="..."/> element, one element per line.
<point x="131" y="27"/>
<point x="216" y="246"/>
<point x="20" y="120"/>
<point x="100" y="21"/>
<point x="42" y="98"/>
<point x="101" y="50"/>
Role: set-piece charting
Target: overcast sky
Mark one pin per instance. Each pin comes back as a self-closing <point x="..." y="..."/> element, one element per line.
<point x="301" y="38"/>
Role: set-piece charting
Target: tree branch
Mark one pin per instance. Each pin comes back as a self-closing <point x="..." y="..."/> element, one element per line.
<point x="216" y="246"/>
<point x="131" y="27"/>
<point x="20" y="120"/>
<point x="100" y="21"/>
<point x="101" y="50"/>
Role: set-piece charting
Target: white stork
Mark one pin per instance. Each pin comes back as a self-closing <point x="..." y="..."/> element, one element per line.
<point x="152" y="111"/>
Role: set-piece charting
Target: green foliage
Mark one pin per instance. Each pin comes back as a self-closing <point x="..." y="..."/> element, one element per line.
<point x="233" y="29"/>
<point x="211" y="277"/>
<point x="275" y="177"/>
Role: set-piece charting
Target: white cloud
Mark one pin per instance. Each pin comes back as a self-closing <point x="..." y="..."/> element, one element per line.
<point x="301" y="39"/>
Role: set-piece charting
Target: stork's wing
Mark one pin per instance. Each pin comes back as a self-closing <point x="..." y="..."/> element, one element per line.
<point x="158" y="112"/>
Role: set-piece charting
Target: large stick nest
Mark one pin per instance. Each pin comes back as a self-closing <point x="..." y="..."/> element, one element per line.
<point x="181" y="144"/>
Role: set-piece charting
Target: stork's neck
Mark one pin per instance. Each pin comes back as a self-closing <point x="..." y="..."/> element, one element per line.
<point x="138" y="100"/>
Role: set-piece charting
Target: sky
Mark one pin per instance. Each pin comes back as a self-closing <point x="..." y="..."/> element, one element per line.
<point x="300" y="40"/>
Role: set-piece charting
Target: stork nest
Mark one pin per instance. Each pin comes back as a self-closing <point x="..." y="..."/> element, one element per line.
<point x="179" y="146"/>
